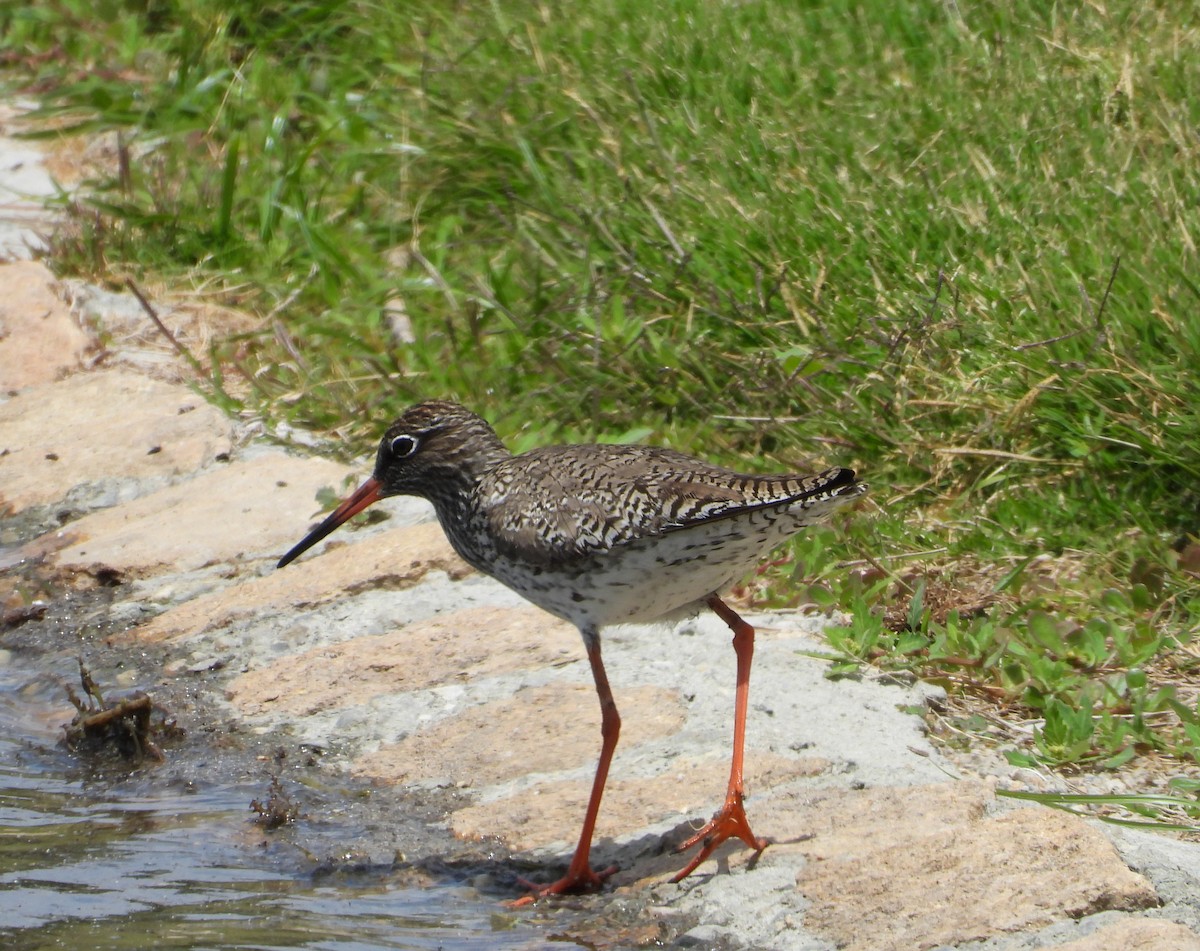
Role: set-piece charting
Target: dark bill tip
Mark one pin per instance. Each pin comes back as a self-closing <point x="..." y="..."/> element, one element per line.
<point x="369" y="492"/>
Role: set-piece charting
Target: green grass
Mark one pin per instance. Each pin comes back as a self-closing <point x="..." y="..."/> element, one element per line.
<point x="954" y="247"/>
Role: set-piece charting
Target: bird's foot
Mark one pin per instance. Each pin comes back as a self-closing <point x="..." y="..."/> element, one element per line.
<point x="729" y="822"/>
<point x="576" y="880"/>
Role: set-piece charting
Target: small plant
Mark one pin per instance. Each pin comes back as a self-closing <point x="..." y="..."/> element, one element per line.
<point x="1176" y="812"/>
<point x="1098" y="692"/>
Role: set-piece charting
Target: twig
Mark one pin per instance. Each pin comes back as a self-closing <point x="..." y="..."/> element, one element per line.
<point x="138" y="707"/>
<point x="1104" y="300"/>
<point x="1050" y="340"/>
<point x="124" y="176"/>
<point x="90" y="688"/>
<point x="285" y="339"/>
<point x="1097" y="315"/>
<point x="435" y="275"/>
<point x="163" y="328"/>
<point x="759" y="419"/>
<point x="1000" y="454"/>
<point x="886" y="572"/>
<point x="295" y="292"/>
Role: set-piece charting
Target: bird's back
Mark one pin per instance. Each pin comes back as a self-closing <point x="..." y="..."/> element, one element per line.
<point x="602" y="534"/>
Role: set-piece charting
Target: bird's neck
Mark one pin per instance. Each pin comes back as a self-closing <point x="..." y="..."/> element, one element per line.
<point x="454" y="490"/>
<point x="456" y="501"/>
<point x="452" y="487"/>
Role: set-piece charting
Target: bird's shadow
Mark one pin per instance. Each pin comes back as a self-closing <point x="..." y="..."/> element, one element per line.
<point x="646" y="861"/>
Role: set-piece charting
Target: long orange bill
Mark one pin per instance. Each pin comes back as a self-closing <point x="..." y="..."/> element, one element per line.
<point x="367" y="493"/>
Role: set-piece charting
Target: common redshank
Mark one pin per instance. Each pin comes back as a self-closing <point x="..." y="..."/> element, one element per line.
<point x="599" y="535"/>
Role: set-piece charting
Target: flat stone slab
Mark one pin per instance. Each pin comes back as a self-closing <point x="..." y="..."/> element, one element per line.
<point x="232" y="513"/>
<point x="539" y="730"/>
<point x="548" y="814"/>
<point x="40" y="341"/>
<point x="1137" y="934"/>
<point x="890" y="873"/>
<point x="101" y="428"/>
<point x="450" y="648"/>
<point x="387" y="560"/>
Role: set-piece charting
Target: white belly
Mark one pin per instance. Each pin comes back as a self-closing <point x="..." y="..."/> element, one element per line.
<point x="655" y="578"/>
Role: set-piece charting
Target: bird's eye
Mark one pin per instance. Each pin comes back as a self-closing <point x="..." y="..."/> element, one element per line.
<point x="404" y="446"/>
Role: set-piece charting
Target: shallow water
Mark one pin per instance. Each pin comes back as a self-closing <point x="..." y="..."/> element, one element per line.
<point x="144" y="861"/>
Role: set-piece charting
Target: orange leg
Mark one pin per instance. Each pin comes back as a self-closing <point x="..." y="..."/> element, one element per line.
<point x="730" y="819"/>
<point x="580" y="876"/>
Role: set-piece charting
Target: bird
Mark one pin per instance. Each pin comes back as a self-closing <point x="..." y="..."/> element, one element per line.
<point x="598" y="535"/>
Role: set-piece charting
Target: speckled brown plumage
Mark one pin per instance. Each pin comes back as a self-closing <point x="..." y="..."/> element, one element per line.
<point x="598" y="535"/>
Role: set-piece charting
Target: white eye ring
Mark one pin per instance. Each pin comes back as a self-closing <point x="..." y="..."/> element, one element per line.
<point x="404" y="446"/>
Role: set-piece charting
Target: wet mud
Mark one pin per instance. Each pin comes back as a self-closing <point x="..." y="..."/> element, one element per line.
<point x="104" y="741"/>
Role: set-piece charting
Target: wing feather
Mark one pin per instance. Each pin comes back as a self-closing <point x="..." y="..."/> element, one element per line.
<point x="562" y="504"/>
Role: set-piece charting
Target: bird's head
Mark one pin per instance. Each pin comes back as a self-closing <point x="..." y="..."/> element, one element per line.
<point x="435" y="450"/>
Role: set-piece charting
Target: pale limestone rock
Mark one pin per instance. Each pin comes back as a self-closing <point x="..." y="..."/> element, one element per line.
<point x="686" y="790"/>
<point x="448" y="648"/>
<point x="391" y="559"/>
<point x="39" y="339"/>
<point x="888" y="872"/>
<point x="104" y="425"/>
<point x="223" y="515"/>
<point x="1137" y="934"/>
<point x="538" y="730"/>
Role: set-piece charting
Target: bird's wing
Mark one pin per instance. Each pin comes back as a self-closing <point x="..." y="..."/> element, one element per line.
<point x="563" y="503"/>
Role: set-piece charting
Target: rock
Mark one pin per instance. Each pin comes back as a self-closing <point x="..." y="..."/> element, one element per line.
<point x="60" y="438"/>
<point x="457" y="646"/>
<point x="39" y="339"/>
<point x="890" y="872"/>
<point x="1137" y="934"/>
<point x="223" y="515"/>
<point x="398" y="558"/>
